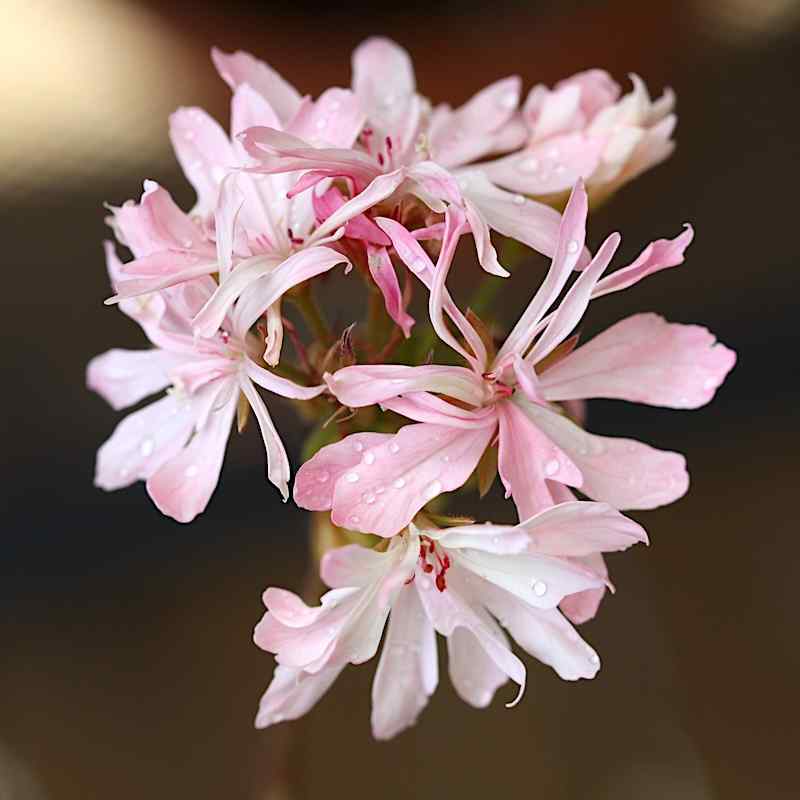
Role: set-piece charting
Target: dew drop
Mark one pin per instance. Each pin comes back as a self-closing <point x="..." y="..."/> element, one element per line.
<point x="368" y="498"/>
<point x="539" y="588"/>
<point x="551" y="467"/>
<point x="529" y="164"/>
<point x="147" y="447"/>
<point x="358" y="447"/>
<point x="399" y="483"/>
<point x="433" y="489"/>
<point x="417" y="265"/>
<point x="594" y="658"/>
<point x="192" y="470"/>
<point x="446" y="459"/>
<point x="335" y="105"/>
<point x="380" y="489"/>
<point x="572" y="247"/>
<point x="322" y="124"/>
<point x="124" y="472"/>
<point x="323" y="477"/>
<point x="710" y="383"/>
<point x="519" y="199"/>
<point x="369" y="458"/>
<point x="352" y="477"/>
<point x="354" y="519"/>
<point x="394" y="447"/>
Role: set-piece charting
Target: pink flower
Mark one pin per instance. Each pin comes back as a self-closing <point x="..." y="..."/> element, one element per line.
<point x="582" y="128"/>
<point x="417" y="160"/>
<point x="458" y="582"/>
<point x="177" y="444"/>
<point x="378" y="485"/>
<point x="243" y="226"/>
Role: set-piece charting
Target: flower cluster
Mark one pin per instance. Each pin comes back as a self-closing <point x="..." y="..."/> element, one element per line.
<point x="377" y="181"/>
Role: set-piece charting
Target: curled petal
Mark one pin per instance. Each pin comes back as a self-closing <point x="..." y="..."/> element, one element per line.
<point x="292" y="693"/>
<point x="382" y="271"/>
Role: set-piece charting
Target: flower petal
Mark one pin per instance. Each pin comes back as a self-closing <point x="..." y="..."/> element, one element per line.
<point x="182" y="487"/>
<point x="398" y="477"/>
<point x="382" y="271"/>
<point x="123" y="377"/>
<point x="474" y="675"/>
<point x="292" y="693"/>
<point x="204" y="152"/>
<point x="622" y="472"/>
<point x="359" y="386"/>
<point x="580" y="528"/>
<point x="315" y="480"/>
<point x="527" y="459"/>
<point x="240" y="67"/>
<point x="582" y="606"/>
<point x="408" y="670"/>
<point x="143" y="442"/>
<point x="644" y="359"/>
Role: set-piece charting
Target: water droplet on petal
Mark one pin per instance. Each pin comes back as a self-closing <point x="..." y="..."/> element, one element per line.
<point x="354" y="519"/>
<point x="322" y="124"/>
<point x="551" y="467"/>
<point x="539" y="588"/>
<point x="368" y="498"/>
<point x="529" y="164"/>
<point x="572" y="247"/>
<point x="323" y="477"/>
<point x="399" y="483"/>
<point x="380" y="489"/>
<point x="192" y="470"/>
<point x="358" y="447"/>
<point x="352" y="477"/>
<point x="433" y="489"/>
<point x="519" y="199"/>
<point x="710" y="383"/>
<point x="594" y="658"/>
<point x="124" y="472"/>
<point x="417" y="265"/>
<point x="369" y="458"/>
<point x="335" y="105"/>
<point x="508" y="101"/>
<point x="147" y="447"/>
<point x="394" y="448"/>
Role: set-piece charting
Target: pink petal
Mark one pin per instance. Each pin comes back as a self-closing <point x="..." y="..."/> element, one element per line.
<point x="543" y="633"/>
<point x="416" y="259"/>
<point x="644" y="359"/>
<point x="360" y="386"/>
<point x="123" y="377"/>
<point x="474" y="675"/>
<point x="382" y="271"/>
<point x="278" y="385"/>
<point x="622" y="472"/>
<point x="182" y="487"/>
<point x="268" y="284"/>
<point x="527" y="459"/>
<point x="407" y="672"/>
<point x="143" y="442"/>
<point x="352" y="565"/>
<point x="528" y="221"/>
<point x="581" y="528"/>
<point x="158" y="271"/>
<point x="548" y="167"/>
<point x="455" y="608"/>
<point x="156" y="224"/>
<point x="424" y="407"/>
<point x="658" y="255"/>
<point x="204" y="152"/>
<point x="571" y="236"/>
<point x="315" y="480"/>
<point x="582" y="606"/>
<point x="292" y="693"/>
<point x="359" y="227"/>
<point x="564" y="319"/>
<point x="383" y="80"/>
<point x="396" y="478"/>
<point x="487" y="255"/>
<point x="335" y="119"/>
<point x="240" y="67"/>
<point x="278" y="470"/>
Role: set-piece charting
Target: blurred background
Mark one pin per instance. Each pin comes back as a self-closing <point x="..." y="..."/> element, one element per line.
<point x="127" y="668"/>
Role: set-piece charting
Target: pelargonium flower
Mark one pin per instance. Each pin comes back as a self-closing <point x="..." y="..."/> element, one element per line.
<point x="513" y="397"/>
<point x="582" y="128"/>
<point x="243" y="226"/>
<point x="459" y="582"/>
<point x="177" y="443"/>
<point x="413" y="161"/>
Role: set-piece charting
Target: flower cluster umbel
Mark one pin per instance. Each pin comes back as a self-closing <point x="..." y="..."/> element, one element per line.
<point x="377" y="181"/>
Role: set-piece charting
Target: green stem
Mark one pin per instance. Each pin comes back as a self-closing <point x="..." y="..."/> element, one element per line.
<point x="313" y="315"/>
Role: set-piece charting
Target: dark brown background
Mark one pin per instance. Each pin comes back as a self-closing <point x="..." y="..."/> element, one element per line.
<point x="127" y="668"/>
